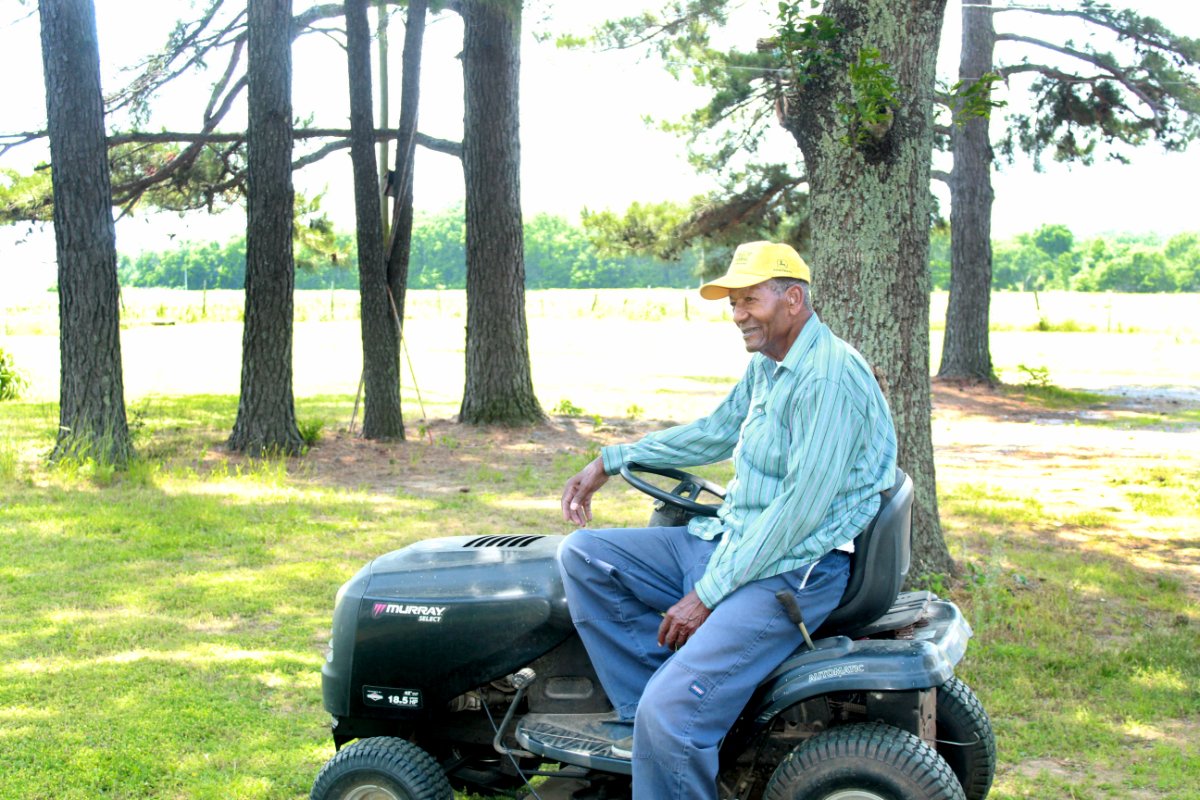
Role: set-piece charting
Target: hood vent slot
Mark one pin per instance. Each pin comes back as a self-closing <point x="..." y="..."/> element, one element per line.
<point x="504" y="541"/>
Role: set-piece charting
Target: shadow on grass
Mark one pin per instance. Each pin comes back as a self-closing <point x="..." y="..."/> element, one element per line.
<point x="1084" y="653"/>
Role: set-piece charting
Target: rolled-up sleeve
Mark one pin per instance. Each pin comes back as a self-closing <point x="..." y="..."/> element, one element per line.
<point x="705" y="441"/>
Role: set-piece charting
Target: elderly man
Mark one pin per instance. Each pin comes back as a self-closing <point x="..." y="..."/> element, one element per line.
<point x="683" y="623"/>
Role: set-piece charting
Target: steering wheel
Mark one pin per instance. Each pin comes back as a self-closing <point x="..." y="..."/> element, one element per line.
<point x="683" y="495"/>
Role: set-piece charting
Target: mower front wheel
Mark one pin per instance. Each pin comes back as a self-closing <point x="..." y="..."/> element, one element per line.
<point x="870" y="761"/>
<point x="381" y="768"/>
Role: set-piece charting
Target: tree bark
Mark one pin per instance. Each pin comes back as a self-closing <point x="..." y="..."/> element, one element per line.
<point x="966" y="354"/>
<point x="385" y="116"/>
<point x="499" y="384"/>
<point x="399" y="245"/>
<point x="382" y="418"/>
<point x="870" y="209"/>
<point x="92" y="420"/>
<point x="266" y="418"/>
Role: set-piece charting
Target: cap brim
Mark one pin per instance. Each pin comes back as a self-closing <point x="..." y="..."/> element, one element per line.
<point x="720" y="288"/>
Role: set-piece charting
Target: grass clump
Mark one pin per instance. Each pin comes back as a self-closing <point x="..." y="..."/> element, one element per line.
<point x="1038" y="385"/>
<point x="1044" y="325"/>
<point x="310" y="430"/>
<point x="1162" y="491"/>
<point x="567" y="409"/>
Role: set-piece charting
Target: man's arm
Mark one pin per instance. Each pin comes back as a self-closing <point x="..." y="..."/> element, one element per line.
<point x="701" y="442"/>
<point x="705" y="441"/>
<point x="577" y="495"/>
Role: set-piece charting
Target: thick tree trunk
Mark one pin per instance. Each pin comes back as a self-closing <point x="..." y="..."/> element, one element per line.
<point x="266" y="418"/>
<point x="399" y="247"/>
<point x="870" y="227"/>
<point x="92" y="394"/>
<point x="382" y="417"/>
<point x="499" y="385"/>
<point x="965" y="350"/>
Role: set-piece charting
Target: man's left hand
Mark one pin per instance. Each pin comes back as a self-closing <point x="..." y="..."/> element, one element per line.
<point x="682" y="620"/>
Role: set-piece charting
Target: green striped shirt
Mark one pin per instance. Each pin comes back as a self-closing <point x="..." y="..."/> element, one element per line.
<point x="813" y="445"/>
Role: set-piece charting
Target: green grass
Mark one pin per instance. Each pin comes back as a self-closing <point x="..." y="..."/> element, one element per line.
<point x="1162" y="491"/>
<point x="1055" y="397"/>
<point x="1182" y="420"/>
<point x="989" y="505"/>
<point x="163" y="629"/>
<point x="1084" y="656"/>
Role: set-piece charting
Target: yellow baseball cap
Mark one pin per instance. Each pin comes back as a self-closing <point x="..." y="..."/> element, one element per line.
<point x="755" y="262"/>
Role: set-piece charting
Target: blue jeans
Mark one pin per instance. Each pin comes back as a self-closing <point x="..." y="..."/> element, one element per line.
<point x="618" y="584"/>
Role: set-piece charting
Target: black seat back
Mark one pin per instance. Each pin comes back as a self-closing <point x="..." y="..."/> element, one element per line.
<point x="879" y="564"/>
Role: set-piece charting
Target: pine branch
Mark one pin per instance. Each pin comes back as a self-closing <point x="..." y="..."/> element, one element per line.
<point x="1146" y="31"/>
<point x="128" y="194"/>
<point x="1105" y="63"/>
<point x="157" y="72"/>
<point x="726" y="213"/>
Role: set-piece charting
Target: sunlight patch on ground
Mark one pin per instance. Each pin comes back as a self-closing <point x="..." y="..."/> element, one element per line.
<point x="202" y="655"/>
<point x="528" y="503"/>
<point x="1149" y="678"/>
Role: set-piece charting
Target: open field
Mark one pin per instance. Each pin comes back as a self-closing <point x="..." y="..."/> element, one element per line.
<point x="162" y="630"/>
<point x="178" y="342"/>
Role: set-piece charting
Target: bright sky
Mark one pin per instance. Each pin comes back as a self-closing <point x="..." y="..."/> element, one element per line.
<point x="584" y="141"/>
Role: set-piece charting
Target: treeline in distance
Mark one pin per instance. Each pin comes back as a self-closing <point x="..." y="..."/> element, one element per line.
<point x="559" y="254"/>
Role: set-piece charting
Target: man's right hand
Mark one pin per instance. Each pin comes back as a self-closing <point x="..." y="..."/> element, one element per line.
<point x="577" y="495"/>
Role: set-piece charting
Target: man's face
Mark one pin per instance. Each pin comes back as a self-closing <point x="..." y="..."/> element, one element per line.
<point x="764" y="318"/>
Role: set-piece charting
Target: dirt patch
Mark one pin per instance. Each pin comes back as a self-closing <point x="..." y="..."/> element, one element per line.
<point x="443" y="456"/>
<point x="980" y="435"/>
<point x="1077" y="774"/>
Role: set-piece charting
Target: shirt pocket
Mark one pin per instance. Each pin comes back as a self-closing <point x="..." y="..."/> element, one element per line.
<point x="765" y="438"/>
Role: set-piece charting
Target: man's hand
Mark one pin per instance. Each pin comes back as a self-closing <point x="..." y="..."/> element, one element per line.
<point x="577" y="495"/>
<point x="682" y="620"/>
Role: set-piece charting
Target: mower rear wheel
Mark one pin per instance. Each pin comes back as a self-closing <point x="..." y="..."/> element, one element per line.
<point x="965" y="739"/>
<point x="869" y="761"/>
<point x="381" y="768"/>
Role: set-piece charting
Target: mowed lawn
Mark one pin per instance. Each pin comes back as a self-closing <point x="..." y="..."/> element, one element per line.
<point x="162" y="630"/>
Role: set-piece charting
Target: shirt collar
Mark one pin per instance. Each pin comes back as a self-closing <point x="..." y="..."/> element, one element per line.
<point x="804" y="342"/>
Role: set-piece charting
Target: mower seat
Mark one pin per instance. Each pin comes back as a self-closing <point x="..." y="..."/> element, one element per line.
<point x="878" y="565"/>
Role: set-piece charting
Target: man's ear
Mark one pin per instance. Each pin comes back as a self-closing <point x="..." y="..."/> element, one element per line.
<point x="795" y="298"/>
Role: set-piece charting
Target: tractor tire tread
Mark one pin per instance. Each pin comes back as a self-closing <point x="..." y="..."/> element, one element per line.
<point x="872" y="742"/>
<point x="412" y="767"/>
<point x="976" y="766"/>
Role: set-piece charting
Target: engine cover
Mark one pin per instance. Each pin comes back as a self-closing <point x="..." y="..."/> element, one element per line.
<point x="423" y="624"/>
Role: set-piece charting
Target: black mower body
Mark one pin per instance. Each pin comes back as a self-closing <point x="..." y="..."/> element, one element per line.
<point x="421" y="626"/>
<point x="454" y="663"/>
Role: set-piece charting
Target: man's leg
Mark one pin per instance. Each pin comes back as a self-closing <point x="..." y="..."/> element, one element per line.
<point x="618" y="582"/>
<point x="694" y="698"/>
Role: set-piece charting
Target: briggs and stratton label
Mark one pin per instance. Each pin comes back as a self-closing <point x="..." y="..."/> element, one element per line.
<point x="422" y="613"/>
<point x="383" y="697"/>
